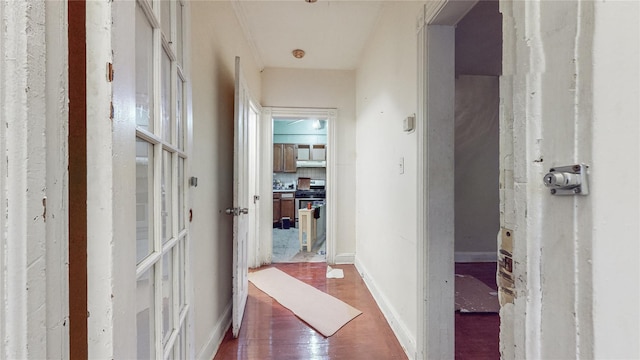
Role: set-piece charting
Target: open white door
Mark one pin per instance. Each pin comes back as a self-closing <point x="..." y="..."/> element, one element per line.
<point x="240" y="207"/>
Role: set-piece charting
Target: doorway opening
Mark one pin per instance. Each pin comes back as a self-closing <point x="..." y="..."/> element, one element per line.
<point x="437" y="92"/>
<point x="299" y="189"/>
<point x="301" y="148"/>
<point x="478" y="65"/>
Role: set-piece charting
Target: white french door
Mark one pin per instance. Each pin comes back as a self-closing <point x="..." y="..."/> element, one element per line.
<point x="241" y="194"/>
<point x="162" y="236"/>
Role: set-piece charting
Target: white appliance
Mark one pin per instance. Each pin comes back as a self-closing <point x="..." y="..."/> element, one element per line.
<point x="315" y="193"/>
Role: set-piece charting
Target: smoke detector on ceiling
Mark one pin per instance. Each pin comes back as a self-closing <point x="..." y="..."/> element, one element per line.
<point x="311" y="1"/>
<point x="298" y="53"/>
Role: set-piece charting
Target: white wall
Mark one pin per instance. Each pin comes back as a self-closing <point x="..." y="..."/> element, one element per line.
<point x="616" y="210"/>
<point x="385" y="199"/>
<point x="477" y="218"/>
<point x="569" y="94"/>
<point x="216" y="40"/>
<point x="325" y="89"/>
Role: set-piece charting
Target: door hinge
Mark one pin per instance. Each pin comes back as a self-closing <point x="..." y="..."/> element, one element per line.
<point x="110" y="72"/>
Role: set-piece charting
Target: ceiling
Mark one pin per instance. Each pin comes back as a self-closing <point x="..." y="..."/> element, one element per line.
<point x="333" y="33"/>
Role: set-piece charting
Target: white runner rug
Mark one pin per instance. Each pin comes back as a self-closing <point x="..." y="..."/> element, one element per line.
<point x="320" y="310"/>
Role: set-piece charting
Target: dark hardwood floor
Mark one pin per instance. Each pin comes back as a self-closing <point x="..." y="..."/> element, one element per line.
<point x="477" y="335"/>
<point x="270" y="331"/>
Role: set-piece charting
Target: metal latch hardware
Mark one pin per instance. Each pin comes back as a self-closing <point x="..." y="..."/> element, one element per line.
<point x="567" y="180"/>
<point x="236" y="211"/>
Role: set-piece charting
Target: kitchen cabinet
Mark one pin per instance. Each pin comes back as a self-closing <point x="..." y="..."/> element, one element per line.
<point x="284" y="158"/>
<point x="284" y="206"/>
<point x="316" y="152"/>
<point x="276" y="207"/>
<point x="287" y="208"/>
<point x="278" y="158"/>
<point x="304" y="152"/>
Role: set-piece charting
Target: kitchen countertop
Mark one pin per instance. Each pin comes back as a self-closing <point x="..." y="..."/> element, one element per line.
<point x="283" y="190"/>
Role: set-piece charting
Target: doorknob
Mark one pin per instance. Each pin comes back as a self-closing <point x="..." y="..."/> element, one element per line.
<point x="236" y="211"/>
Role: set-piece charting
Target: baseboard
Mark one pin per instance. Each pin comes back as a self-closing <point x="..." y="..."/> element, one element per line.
<point x="345" y="258"/>
<point x="209" y="350"/>
<point x="407" y="341"/>
<point x="478" y="256"/>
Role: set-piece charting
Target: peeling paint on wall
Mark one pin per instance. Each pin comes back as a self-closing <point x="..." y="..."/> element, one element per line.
<point x="506" y="283"/>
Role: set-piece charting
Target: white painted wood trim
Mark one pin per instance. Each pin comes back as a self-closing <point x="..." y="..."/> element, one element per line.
<point x="210" y="348"/>
<point x="189" y="283"/>
<point x="264" y="242"/>
<point x="345" y="258"/>
<point x="26" y="240"/>
<point x="3" y="194"/>
<point x="122" y="131"/>
<point x="447" y="12"/>
<point x="100" y="229"/>
<point x="421" y="292"/>
<point x="435" y="129"/>
<point x="402" y="333"/>
<point x="477" y="256"/>
<point x="331" y="189"/>
<point x="57" y="114"/>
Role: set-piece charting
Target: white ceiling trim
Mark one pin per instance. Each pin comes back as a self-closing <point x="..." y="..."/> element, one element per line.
<point x="239" y="10"/>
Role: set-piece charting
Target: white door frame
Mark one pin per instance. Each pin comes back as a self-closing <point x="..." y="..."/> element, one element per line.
<point x="255" y="168"/>
<point x="435" y="126"/>
<point x="265" y="243"/>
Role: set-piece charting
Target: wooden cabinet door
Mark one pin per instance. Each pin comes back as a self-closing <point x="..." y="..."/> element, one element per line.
<point x="278" y="160"/>
<point x="290" y="158"/>
<point x="287" y="208"/>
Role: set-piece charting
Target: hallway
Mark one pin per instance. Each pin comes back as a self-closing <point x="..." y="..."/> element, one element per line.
<point x="269" y="331"/>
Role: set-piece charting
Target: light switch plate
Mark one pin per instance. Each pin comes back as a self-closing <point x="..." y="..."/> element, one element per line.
<point x="409" y="123"/>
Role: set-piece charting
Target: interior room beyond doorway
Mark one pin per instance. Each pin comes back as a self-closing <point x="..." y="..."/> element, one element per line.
<point x="299" y="189"/>
<point x="477" y="201"/>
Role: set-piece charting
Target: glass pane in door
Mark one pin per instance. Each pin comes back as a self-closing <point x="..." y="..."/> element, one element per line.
<point x="181" y="180"/>
<point x="145" y="316"/>
<point x="166" y="97"/>
<point x="144" y="199"/>
<point x="144" y="71"/>
<point x="181" y="273"/>
<point x="179" y="121"/>
<point x="167" y="295"/>
<point x="166" y="196"/>
<point x="179" y="10"/>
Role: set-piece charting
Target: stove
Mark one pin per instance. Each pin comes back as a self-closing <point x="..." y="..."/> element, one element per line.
<point x="310" y="191"/>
